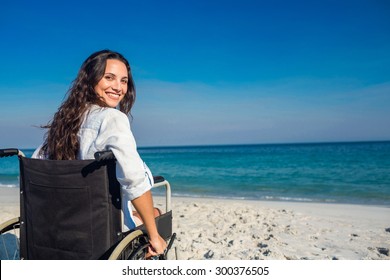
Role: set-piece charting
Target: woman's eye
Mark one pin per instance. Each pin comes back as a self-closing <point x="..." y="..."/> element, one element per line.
<point x="109" y="78"/>
<point x="124" y="81"/>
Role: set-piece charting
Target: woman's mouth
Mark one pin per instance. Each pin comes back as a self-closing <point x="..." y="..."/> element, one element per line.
<point x="113" y="95"/>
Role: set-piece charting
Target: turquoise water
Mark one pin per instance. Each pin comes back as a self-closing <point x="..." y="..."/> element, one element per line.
<point x="326" y="172"/>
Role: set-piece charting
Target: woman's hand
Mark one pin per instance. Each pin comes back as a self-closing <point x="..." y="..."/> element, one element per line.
<point x="157" y="246"/>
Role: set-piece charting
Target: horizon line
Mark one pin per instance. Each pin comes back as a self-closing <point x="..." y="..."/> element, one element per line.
<point x="250" y="144"/>
<point x="270" y="143"/>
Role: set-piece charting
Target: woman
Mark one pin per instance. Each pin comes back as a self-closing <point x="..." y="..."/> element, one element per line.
<point x="88" y="121"/>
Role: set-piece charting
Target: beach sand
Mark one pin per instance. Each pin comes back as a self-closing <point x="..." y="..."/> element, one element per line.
<point x="247" y="230"/>
<point x="219" y="229"/>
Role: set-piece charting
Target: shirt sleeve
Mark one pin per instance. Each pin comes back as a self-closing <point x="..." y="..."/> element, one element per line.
<point x="37" y="153"/>
<point x="132" y="173"/>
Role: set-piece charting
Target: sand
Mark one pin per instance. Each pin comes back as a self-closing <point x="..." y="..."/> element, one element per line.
<point x="247" y="230"/>
<point x="220" y="229"/>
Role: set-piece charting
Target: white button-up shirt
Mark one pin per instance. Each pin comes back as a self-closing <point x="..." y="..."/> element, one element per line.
<point x="109" y="129"/>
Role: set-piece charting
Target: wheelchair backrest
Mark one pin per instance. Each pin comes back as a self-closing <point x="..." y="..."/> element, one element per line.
<point x="70" y="209"/>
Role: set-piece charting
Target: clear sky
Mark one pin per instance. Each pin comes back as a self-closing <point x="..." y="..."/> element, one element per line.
<point x="207" y="72"/>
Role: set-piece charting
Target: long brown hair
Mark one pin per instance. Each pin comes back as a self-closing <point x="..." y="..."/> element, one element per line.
<point x="61" y="141"/>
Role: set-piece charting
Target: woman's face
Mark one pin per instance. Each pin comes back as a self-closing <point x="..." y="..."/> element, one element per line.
<point x="113" y="86"/>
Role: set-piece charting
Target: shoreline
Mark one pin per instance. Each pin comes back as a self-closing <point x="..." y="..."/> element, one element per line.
<point x="218" y="229"/>
<point x="298" y="201"/>
<point x="14" y="188"/>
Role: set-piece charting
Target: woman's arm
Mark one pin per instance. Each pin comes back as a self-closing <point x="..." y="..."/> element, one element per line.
<point x="133" y="175"/>
<point x="144" y="206"/>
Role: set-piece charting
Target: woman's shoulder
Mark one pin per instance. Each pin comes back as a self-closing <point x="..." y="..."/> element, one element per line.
<point x="105" y="117"/>
<point x="106" y="112"/>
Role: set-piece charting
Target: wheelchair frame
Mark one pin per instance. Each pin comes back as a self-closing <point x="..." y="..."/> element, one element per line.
<point x="133" y="244"/>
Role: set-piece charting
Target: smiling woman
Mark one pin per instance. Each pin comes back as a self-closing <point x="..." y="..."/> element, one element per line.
<point x="88" y="122"/>
<point x="63" y="141"/>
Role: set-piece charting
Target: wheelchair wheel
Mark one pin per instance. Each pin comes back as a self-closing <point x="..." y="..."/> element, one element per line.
<point x="9" y="240"/>
<point x="133" y="247"/>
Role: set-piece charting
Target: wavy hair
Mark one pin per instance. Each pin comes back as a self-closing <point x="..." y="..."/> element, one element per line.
<point x="61" y="140"/>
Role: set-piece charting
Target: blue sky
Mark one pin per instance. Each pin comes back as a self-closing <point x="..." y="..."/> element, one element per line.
<point x="207" y="72"/>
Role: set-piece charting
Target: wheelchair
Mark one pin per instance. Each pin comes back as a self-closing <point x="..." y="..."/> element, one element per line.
<point x="71" y="209"/>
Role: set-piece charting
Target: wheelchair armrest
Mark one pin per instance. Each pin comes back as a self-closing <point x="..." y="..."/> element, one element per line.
<point x="10" y="152"/>
<point x="158" y="179"/>
<point x="104" y="155"/>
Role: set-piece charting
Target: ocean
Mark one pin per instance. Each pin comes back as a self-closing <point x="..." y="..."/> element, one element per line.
<point x="353" y="173"/>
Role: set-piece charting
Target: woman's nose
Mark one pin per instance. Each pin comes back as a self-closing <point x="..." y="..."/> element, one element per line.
<point x="116" y="85"/>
